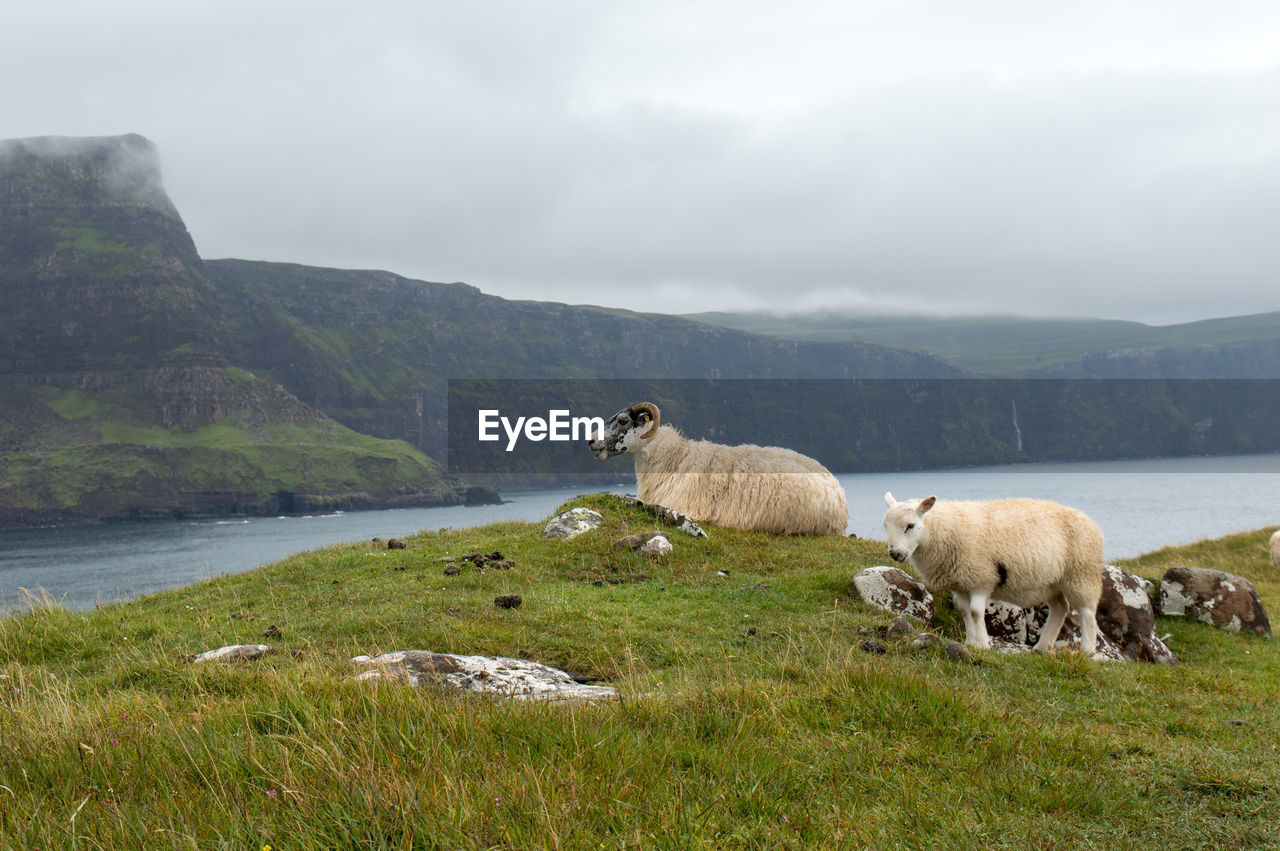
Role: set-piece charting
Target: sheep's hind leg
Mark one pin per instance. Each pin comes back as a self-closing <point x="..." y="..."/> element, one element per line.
<point x="1058" y="611"/>
<point x="1088" y="630"/>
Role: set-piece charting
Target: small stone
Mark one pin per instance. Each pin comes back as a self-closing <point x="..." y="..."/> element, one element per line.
<point x="924" y="640"/>
<point x="635" y="540"/>
<point x="448" y="559"/>
<point x="396" y="544"/>
<point x="508" y="601"/>
<point x="272" y="631"/>
<point x="956" y="650"/>
<point x="899" y="628"/>
<point x="501" y="564"/>
<point x="722" y="573"/>
<point x="873" y="646"/>
<point x="496" y="555"/>
<point x="658" y="545"/>
<point x="451" y="570"/>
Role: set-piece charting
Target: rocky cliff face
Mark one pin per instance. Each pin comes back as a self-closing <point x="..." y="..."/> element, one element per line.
<point x="97" y="269"/>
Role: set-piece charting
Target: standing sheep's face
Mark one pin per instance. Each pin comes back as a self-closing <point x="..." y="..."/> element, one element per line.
<point x="904" y="525"/>
<point x="625" y="431"/>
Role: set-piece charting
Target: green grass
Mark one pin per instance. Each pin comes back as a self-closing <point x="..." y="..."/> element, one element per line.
<point x="750" y="716"/>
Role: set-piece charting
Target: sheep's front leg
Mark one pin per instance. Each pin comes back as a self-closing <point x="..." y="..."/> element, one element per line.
<point x="973" y="608"/>
<point x="977" y="616"/>
<point x="961" y="601"/>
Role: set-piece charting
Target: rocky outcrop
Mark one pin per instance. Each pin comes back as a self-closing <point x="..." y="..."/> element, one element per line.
<point x="667" y="515"/>
<point x="893" y="590"/>
<point x="500" y="676"/>
<point x="1214" y="597"/>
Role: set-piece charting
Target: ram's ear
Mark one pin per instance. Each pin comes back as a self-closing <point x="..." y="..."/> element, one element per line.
<point x="926" y="504"/>
<point x="889" y="500"/>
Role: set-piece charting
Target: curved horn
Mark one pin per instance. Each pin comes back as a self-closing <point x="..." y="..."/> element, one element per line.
<point x="652" y="410"/>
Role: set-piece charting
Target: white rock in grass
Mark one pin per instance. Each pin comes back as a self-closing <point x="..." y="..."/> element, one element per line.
<point x="235" y="653"/>
<point x="658" y="545"/>
<point x="572" y="523"/>
<point x="518" y="679"/>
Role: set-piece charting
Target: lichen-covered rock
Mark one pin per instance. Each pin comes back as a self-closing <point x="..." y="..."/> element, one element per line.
<point x="1214" y="597"/>
<point x="1275" y="547"/>
<point x="235" y="653"/>
<point x="1006" y="622"/>
<point x="1105" y="651"/>
<point x="658" y="545"/>
<point x="572" y="523"/>
<point x="667" y="515"/>
<point x="518" y="679"/>
<point x="893" y="590"/>
<point x="1127" y="617"/>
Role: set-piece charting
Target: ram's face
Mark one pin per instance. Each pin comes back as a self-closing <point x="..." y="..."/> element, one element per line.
<point x="622" y="433"/>
<point x="904" y="525"/>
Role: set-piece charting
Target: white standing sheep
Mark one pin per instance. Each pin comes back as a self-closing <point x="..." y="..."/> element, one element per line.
<point x="762" y="488"/>
<point x="1275" y="547"/>
<point x="1025" y="551"/>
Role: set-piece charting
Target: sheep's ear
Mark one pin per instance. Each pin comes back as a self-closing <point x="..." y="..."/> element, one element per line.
<point x="889" y="500"/>
<point x="926" y="504"/>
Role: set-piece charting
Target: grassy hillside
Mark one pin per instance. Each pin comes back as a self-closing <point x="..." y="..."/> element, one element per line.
<point x="1002" y="345"/>
<point x="750" y="717"/>
<point x="216" y="441"/>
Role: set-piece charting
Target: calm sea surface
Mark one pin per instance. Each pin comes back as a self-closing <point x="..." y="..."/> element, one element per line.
<point x="1140" y="505"/>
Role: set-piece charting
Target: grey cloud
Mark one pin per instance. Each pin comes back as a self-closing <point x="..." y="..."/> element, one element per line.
<point x="841" y="155"/>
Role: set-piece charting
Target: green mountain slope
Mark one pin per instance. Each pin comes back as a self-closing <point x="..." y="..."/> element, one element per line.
<point x="1008" y="345"/>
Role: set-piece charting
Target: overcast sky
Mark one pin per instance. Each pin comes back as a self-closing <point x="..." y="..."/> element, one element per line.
<point x="1115" y="159"/>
